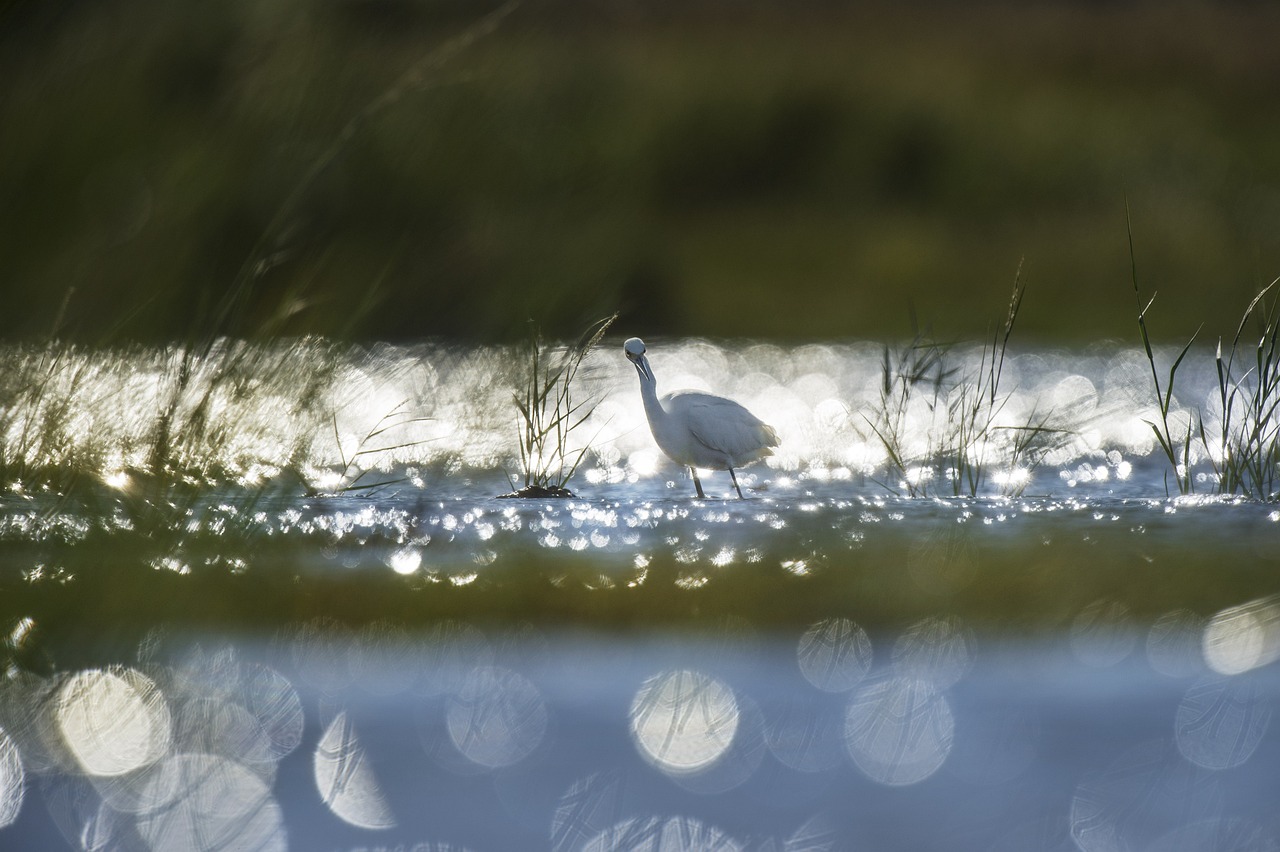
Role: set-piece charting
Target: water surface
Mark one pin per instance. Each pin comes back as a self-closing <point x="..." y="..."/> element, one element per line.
<point x="269" y="598"/>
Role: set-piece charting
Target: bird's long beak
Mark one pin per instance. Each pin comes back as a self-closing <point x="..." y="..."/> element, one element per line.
<point x="642" y="365"/>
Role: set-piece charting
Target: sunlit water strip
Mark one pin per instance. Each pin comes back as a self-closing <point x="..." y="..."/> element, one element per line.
<point x="442" y="416"/>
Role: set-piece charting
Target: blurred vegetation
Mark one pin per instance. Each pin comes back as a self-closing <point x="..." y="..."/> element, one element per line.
<point x="774" y="169"/>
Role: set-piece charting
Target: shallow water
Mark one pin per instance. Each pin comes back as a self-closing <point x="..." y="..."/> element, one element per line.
<point x="822" y="738"/>
<point x="320" y="629"/>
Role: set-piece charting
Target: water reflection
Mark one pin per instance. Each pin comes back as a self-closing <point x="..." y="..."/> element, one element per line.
<point x="467" y="736"/>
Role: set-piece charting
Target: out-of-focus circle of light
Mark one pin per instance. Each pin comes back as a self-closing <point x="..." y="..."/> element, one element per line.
<point x="225" y="728"/>
<point x="12" y="780"/>
<point x="834" y="654"/>
<point x="655" y="834"/>
<point x="1243" y="637"/>
<point x="739" y="762"/>
<point x="899" y="730"/>
<point x="587" y="809"/>
<point x="643" y="462"/>
<point x="683" y="721"/>
<point x="405" y="561"/>
<point x="497" y="719"/>
<point x="1220" y="722"/>
<point x="273" y="701"/>
<point x="346" y="780"/>
<point x="200" y="801"/>
<point x="816" y="834"/>
<point x="113" y="721"/>
<point x="939" y="650"/>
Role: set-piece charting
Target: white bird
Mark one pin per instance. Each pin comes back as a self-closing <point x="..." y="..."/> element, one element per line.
<point x="700" y="429"/>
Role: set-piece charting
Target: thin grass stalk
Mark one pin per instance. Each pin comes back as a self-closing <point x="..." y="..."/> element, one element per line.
<point x="980" y="404"/>
<point x="1164" y="397"/>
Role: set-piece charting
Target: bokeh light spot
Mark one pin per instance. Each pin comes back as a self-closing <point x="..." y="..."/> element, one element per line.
<point x="683" y="721"/>
<point x="834" y="654"/>
<point x="1220" y="722"/>
<point x="654" y="834"/>
<point x="497" y="719"/>
<point x="938" y="650"/>
<point x="203" y="802"/>
<point x="12" y="780"/>
<point x="1243" y="637"/>
<point x="346" y="779"/>
<point x="113" y="721"/>
<point x="899" y="731"/>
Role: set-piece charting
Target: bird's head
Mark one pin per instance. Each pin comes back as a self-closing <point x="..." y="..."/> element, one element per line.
<point x="634" y="349"/>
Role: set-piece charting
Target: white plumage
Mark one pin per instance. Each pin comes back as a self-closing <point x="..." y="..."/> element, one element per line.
<point x="700" y="429"/>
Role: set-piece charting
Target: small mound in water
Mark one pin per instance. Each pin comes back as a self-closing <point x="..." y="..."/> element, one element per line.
<point x="537" y="491"/>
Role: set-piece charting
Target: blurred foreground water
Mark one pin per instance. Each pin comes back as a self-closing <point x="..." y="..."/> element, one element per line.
<point x="267" y="598"/>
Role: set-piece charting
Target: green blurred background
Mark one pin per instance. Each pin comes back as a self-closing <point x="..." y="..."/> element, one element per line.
<point x="794" y="170"/>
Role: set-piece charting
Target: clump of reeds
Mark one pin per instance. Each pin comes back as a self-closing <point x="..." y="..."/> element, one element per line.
<point x="551" y="409"/>
<point x="964" y="436"/>
<point x="37" y="450"/>
<point x="1244" y="448"/>
<point x="913" y="377"/>
<point x="38" y="386"/>
<point x="1248" y="450"/>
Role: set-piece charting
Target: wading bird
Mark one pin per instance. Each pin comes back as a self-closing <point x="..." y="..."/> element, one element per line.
<point x="700" y="429"/>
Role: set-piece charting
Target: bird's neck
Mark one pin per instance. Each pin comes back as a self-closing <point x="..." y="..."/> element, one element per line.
<point x="649" y="392"/>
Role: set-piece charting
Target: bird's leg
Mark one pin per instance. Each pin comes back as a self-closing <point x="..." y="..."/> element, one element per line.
<point x="697" y="483"/>
<point x="735" y="483"/>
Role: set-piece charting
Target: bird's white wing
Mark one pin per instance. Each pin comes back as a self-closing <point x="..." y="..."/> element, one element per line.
<point x="722" y="425"/>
